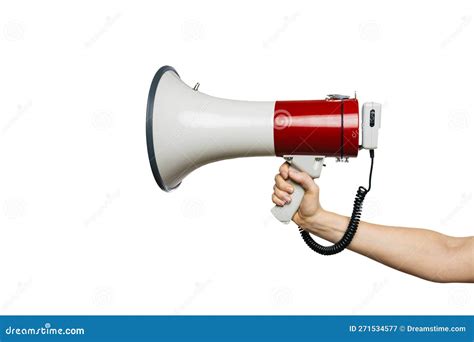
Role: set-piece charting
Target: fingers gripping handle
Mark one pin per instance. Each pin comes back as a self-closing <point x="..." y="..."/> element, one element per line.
<point x="285" y="213"/>
<point x="309" y="164"/>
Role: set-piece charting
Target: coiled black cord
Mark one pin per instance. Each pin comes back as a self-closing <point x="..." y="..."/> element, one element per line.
<point x="353" y="222"/>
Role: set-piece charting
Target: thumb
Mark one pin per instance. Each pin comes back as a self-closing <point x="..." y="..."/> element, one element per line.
<point x="303" y="179"/>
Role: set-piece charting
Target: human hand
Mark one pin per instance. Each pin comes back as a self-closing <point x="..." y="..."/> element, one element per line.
<point x="310" y="209"/>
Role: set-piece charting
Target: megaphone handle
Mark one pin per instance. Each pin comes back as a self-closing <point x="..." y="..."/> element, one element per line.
<point x="309" y="164"/>
<point x="285" y="213"/>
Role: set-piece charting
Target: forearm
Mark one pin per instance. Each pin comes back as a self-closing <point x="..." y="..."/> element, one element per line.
<point x="420" y="252"/>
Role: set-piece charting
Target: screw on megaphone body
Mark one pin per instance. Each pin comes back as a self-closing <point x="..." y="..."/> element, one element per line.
<point x="196" y="86"/>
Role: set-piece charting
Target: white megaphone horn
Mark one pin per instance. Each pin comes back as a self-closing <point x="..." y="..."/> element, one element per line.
<point x="187" y="129"/>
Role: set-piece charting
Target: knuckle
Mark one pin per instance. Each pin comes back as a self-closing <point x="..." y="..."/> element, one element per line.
<point x="309" y="180"/>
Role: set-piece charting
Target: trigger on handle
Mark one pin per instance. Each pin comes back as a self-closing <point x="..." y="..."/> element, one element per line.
<point x="312" y="165"/>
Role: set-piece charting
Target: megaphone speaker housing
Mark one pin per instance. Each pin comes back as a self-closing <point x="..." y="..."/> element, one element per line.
<point x="187" y="129"/>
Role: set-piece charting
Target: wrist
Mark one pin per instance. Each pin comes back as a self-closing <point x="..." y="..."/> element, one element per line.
<point x="326" y="224"/>
<point x="316" y="222"/>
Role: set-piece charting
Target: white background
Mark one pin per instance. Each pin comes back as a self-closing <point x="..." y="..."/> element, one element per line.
<point x="84" y="229"/>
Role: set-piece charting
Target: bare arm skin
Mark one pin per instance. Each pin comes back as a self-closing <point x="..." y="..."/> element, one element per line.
<point x="420" y="252"/>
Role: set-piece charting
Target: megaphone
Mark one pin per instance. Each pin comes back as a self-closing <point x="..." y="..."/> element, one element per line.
<point x="186" y="129"/>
